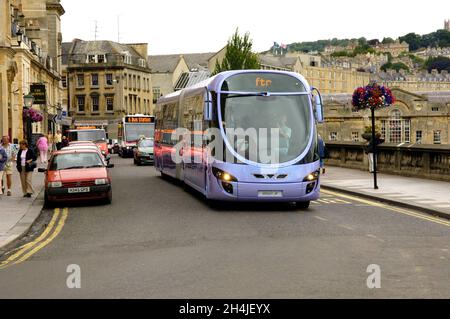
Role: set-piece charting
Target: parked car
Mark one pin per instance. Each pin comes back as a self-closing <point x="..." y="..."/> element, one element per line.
<point x="143" y="153"/>
<point x="86" y="146"/>
<point x="77" y="175"/>
<point x="97" y="136"/>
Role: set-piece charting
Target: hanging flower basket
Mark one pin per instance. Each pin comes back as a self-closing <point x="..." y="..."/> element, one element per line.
<point x="372" y="96"/>
<point x="33" y="115"/>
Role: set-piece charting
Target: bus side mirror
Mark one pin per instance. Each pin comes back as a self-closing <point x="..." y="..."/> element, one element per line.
<point x="318" y="108"/>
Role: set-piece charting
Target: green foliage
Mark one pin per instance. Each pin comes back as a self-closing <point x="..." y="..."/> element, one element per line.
<point x="387" y="40"/>
<point x="440" y="38"/>
<point x="239" y="55"/>
<point x="361" y="49"/>
<point x="440" y="63"/>
<point x="394" y="66"/>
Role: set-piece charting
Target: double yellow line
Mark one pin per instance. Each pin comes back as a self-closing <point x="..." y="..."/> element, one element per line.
<point x="403" y="211"/>
<point x="48" y="235"/>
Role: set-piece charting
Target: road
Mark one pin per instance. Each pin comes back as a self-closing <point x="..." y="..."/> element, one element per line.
<point x="158" y="240"/>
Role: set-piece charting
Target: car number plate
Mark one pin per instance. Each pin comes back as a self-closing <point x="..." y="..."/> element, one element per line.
<point x="270" y="194"/>
<point x="77" y="190"/>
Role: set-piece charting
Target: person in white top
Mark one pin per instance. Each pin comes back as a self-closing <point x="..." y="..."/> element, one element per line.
<point x="11" y="152"/>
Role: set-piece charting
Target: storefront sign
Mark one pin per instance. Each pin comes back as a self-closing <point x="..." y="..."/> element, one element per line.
<point x="38" y="92"/>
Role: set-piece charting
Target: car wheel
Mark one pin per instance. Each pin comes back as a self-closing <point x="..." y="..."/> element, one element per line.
<point x="108" y="199"/>
<point x="303" y="205"/>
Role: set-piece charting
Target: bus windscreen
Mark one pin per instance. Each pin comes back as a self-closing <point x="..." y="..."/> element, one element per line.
<point x="134" y="132"/>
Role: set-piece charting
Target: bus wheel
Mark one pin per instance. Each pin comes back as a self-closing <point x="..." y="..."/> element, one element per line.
<point x="303" y="205"/>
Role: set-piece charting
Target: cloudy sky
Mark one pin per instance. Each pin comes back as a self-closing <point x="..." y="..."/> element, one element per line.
<point x="189" y="26"/>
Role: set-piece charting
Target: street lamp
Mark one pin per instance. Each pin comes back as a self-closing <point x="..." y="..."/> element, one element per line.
<point x="28" y="101"/>
<point x="19" y="35"/>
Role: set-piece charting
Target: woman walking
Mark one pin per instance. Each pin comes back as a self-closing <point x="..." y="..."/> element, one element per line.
<point x="3" y="160"/>
<point x="42" y="145"/>
<point x="11" y="152"/>
<point x="25" y="165"/>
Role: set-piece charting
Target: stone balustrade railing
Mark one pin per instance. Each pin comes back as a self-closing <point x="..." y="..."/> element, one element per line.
<point x="424" y="161"/>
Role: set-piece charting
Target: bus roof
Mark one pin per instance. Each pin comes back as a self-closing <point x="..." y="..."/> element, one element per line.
<point x="214" y="83"/>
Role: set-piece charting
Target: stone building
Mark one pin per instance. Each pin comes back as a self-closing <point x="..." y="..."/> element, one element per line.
<point x="447" y="25"/>
<point x="416" y="118"/>
<point x="395" y="48"/>
<point x="105" y="81"/>
<point x="176" y="71"/>
<point x="30" y="38"/>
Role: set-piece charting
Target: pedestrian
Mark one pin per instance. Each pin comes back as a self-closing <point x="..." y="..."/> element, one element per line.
<point x="371" y="150"/>
<point x="11" y="152"/>
<point x="58" y="140"/>
<point x="3" y="160"/>
<point x="322" y="152"/>
<point x="42" y="146"/>
<point x="51" y="139"/>
<point x="65" y="142"/>
<point x="26" y="163"/>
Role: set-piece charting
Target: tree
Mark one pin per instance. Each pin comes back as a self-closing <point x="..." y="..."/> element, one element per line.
<point x="239" y="55"/>
<point x="440" y="63"/>
<point x="414" y="41"/>
<point x="387" y="40"/>
<point x="394" y="66"/>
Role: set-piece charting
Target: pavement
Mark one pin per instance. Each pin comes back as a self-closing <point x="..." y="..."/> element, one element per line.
<point x="17" y="214"/>
<point x="157" y="240"/>
<point x="429" y="196"/>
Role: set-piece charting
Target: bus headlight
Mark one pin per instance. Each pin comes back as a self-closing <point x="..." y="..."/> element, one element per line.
<point x="312" y="176"/>
<point x="223" y="176"/>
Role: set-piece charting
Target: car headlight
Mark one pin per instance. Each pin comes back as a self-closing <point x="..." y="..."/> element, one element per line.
<point x="223" y="176"/>
<point x="101" y="181"/>
<point x="312" y="176"/>
<point x="55" y="184"/>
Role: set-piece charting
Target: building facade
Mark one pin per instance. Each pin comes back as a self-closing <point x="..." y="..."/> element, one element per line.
<point x="105" y="81"/>
<point x="416" y="118"/>
<point x="30" y="38"/>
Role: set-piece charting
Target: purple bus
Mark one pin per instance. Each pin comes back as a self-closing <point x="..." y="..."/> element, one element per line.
<point x="247" y="135"/>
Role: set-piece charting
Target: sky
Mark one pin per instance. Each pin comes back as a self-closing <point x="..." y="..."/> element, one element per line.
<point x="194" y="26"/>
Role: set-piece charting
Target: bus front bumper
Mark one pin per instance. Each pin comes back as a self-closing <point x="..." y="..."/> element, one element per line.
<point x="269" y="192"/>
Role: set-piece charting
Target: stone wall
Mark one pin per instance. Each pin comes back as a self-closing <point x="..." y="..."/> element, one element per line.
<point x="423" y="161"/>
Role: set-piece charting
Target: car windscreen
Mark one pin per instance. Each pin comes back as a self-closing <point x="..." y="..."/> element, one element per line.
<point x="146" y="143"/>
<point x="76" y="161"/>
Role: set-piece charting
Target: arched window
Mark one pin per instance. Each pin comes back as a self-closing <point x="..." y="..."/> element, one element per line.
<point x="396" y="129"/>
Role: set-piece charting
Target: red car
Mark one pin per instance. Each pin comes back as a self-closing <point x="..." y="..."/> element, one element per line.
<point x="77" y="175"/>
<point x="97" y="136"/>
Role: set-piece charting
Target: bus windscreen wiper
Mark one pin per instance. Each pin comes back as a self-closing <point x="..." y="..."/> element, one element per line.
<point x="232" y="95"/>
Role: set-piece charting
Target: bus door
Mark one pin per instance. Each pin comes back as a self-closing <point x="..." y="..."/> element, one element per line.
<point x="194" y="161"/>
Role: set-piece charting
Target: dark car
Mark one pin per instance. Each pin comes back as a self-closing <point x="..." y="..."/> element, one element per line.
<point x="143" y="152"/>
